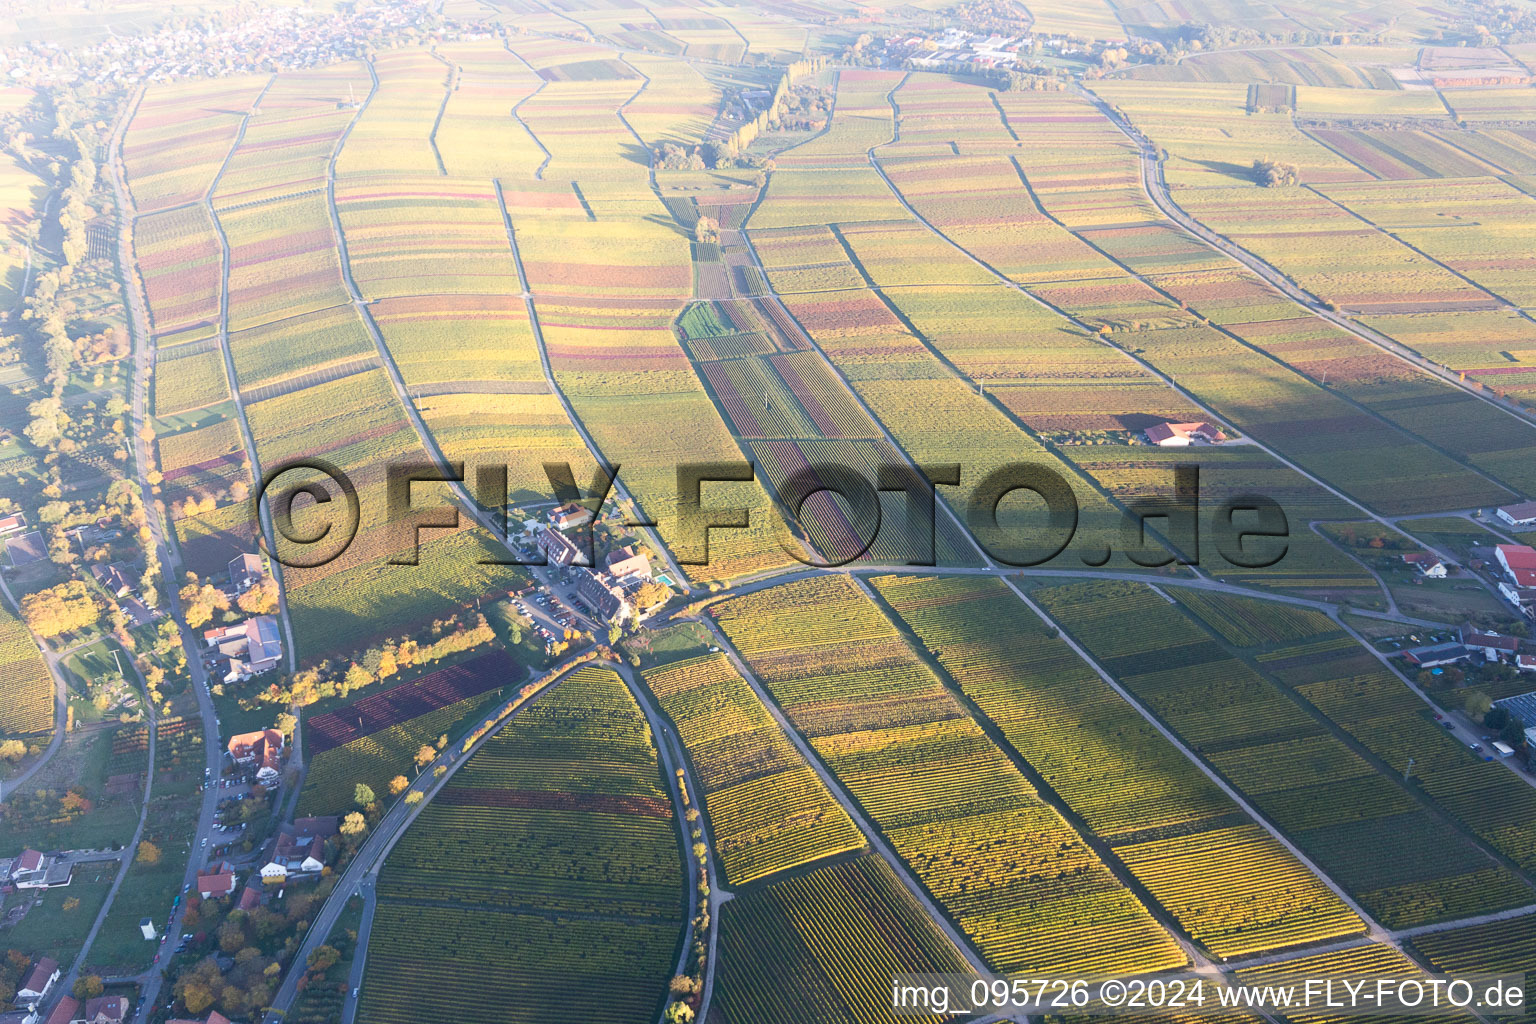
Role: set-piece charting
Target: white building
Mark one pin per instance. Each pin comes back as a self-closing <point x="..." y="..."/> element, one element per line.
<point x="1523" y="514"/>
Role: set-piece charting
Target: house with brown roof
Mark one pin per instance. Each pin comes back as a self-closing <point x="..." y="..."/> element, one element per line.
<point x="245" y="571"/>
<point x="626" y="561"/>
<point x="1428" y="565"/>
<point x="263" y="749"/>
<point x="1523" y="514"/>
<point x="216" y="884"/>
<point x="106" y="1010"/>
<point x="1492" y="646"/>
<point x="64" y="1013"/>
<point x="38" y="982"/>
<point x="556" y="547"/>
<point x="112" y="578"/>
<point x="13" y="523"/>
<point x="564" y="517"/>
<point x="603" y="598"/>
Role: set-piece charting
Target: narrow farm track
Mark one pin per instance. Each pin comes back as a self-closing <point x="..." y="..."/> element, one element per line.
<point x="1156" y="187"/>
<point x="1010" y="283"/>
<point x="538" y="173"/>
<point x="675" y="765"/>
<point x="835" y="787"/>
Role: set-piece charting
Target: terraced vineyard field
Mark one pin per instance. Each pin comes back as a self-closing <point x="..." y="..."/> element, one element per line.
<point x="768" y="811"/>
<point x="27" y="707"/>
<point x="1405" y="864"/>
<point x="824" y="946"/>
<point x="1229" y="884"/>
<point x="1023" y="886"/>
<point x="549" y="866"/>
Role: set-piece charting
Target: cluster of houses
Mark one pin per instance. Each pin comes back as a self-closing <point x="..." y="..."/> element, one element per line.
<point x="40" y="981"/>
<point x="604" y="590"/>
<point x="247" y="648"/>
<point x="34" y="870"/>
<point x="101" y="1010"/>
<point x="957" y="46"/>
<point x="264" y="39"/>
<point x="299" y="850"/>
<point x="1475" y="646"/>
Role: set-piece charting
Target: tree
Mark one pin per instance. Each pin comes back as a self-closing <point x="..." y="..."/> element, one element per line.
<point x="196" y="998"/>
<point x="12" y="750"/>
<point x="1477" y="703"/>
<point x="614" y="632"/>
<point x="286" y="723"/>
<point x="1496" y="718"/>
<point x="398" y="784"/>
<point x="425" y="755"/>
<point x="706" y="230"/>
<point x="1513" y="732"/>
<point x="1272" y="173"/>
<point x="148" y="853"/>
<point x="354" y="824"/>
<point x="61" y="609"/>
<point x="87" y="987"/>
<point x="650" y="594"/>
<point x="363" y="795"/>
<point x="323" y="958"/>
<point x="413" y="797"/>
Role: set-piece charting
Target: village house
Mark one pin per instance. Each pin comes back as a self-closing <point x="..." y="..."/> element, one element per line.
<point x="564" y="517"/>
<point x="1518" y="586"/>
<point x="64" y="1012"/>
<point x="1436" y="655"/>
<point x="300" y="848"/>
<point x="1492" y="646"/>
<point x="217" y="884"/>
<point x="1427" y="565"/>
<point x="626" y="561"/>
<point x="1182" y="435"/>
<point x="263" y="749"/>
<point x="112" y="579"/>
<point x="250" y="897"/>
<point x="1523" y="514"/>
<point x="13" y="523"/>
<point x="34" y="870"/>
<point x="252" y="646"/>
<point x="603" y="598"/>
<point x="105" y="1010"/>
<point x="1526" y="662"/>
<point x="213" y="1018"/>
<point x="38" y="982"/>
<point x="556" y="547"/>
<point x="245" y="571"/>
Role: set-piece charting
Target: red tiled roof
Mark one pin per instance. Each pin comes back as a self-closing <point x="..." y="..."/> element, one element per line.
<point x="41" y="976"/>
<point x="1518" y="556"/>
<point x="64" y="1012"/>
